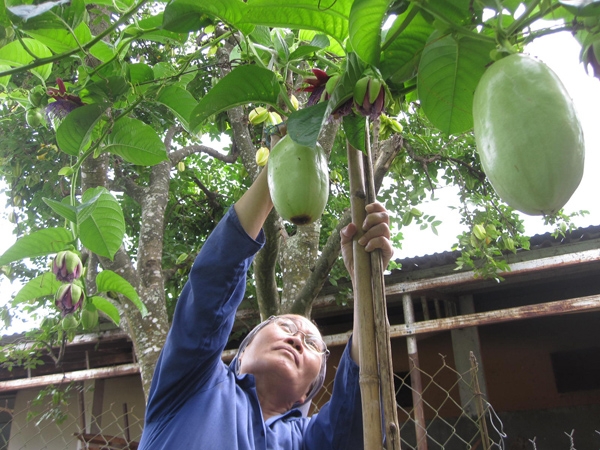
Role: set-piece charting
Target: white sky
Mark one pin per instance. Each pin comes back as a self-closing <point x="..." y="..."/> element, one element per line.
<point x="561" y="53"/>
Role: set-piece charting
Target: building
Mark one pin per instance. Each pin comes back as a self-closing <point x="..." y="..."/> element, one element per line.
<point x="477" y="363"/>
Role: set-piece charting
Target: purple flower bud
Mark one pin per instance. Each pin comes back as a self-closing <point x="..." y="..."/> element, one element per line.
<point x="69" y="298"/>
<point x="373" y="102"/>
<point x="67" y="266"/>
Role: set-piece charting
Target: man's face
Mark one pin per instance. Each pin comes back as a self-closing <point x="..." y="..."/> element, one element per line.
<point x="285" y="359"/>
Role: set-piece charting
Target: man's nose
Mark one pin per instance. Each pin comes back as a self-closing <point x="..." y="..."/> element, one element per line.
<point x="295" y="340"/>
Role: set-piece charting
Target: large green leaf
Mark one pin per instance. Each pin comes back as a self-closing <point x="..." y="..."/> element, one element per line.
<point x="183" y="16"/>
<point x="102" y="232"/>
<point x="330" y="18"/>
<point x="107" y="308"/>
<point x="109" y="281"/>
<point x="14" y="54"/>
<point x="178" y="100"/>
<point x="42" y="286"/>
<point x="355" y="131"/>
<point x="39" y="243"/>
<point x="404" y="44"/>
<point x="243" y="85"/>
<point x="304" y="125"/>
<point x="461" y="12"/>
<point x="61" y="40"/>
<point x="448" y="75"/>
<point x="74" y="132"/>
<point x="366" y="18"/>
<point x="136" y="142"/>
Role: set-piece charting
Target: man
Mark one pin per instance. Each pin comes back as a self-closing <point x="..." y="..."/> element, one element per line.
<point x="198" y="402"/>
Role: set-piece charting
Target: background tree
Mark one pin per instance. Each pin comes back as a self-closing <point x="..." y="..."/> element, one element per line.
<point x="109" y="109"/>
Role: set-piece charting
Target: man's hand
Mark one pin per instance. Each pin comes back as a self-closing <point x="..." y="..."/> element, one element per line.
<point x="376" y="236"/>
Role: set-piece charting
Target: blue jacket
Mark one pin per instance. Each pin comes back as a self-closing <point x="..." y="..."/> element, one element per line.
<point x="198" y="402"/>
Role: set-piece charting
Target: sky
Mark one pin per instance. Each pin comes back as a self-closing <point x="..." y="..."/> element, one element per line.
<point x="561" y="53"/>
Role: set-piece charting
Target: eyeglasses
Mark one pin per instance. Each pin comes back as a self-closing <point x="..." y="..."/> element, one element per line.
<point x="312" y="342"/>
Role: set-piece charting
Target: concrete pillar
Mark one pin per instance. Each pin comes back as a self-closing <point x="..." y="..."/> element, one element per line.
<point x="464" y="342"/>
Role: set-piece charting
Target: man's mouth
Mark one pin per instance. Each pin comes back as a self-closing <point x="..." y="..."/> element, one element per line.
<point x="291" y="352"/>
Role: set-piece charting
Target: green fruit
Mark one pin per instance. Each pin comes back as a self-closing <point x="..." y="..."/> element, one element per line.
<point x="332" y="83"/>
<point x="298" y="181"/>
<point x="69" y="322"/>
<point x="34" y="117"/>
<point x="528" y="136"/>
<point x="89" y="317"/>
<point x="360" y="90"/>
<point x="258" y="115"/>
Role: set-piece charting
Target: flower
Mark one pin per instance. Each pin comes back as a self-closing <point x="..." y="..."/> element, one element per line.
<point x="64" y="104"/>
<point x="67" y="266"/>
<point x="68" y="298"/>
<point x="317" y="86"/>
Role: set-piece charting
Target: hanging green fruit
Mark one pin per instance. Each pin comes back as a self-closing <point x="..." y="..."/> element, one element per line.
<point x="528" y="135"/>
<point x="298" y="181"/>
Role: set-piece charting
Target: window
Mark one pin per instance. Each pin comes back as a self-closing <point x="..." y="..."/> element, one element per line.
<point x="576" y="370"/>
<point x="7" y="404"/>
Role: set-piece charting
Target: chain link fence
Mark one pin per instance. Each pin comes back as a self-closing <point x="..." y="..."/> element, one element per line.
<point x="447" y="412"/>
<point x="56" y="418"/>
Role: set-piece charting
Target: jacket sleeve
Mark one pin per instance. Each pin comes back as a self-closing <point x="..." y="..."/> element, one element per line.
<point x="338" y="425"/>
<point x="203" y="318"/>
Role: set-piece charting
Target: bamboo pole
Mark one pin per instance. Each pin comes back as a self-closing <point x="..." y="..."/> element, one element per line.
<point x="415" y="376"/>
<point x="363" y="310"/>
<point x="382" y="328"/>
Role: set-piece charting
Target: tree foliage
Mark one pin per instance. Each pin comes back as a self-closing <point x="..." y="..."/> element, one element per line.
<point x="112" y="112"/>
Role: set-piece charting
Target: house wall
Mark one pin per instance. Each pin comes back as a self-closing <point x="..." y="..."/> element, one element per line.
<point x="520" y="380"/>
<point x="40" y="433"/>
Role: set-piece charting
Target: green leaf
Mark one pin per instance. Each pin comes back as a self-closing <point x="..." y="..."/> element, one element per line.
<point x="331" y="19"/>
<point x="62" y="209"/>
<point x="39" y="243"/>
<point x="76" y="214"/>
<point x="43" y="286"/>
<point x="183" y="16"/>
<point x="304" y="125"/>
<point x="102" y="232"/>
<point x="74" y="132"/>
<point x="403" y="47"/>
<point x="139" y="73"/>
<point x="136" y="143"/>
<point x="243" y="85"/>
<point x="107" y="308"/>
<point x="448" y="75"/>
<point x="103" y="51"/>
<point x="460" y="12"/>
<point x="110" y="281"/>
<point x="14" y="54"/>
<point x="109" y="88"/>
<point x="62" y="40"/>
<point x="302" y="51"/>
<point x="179" y="101"/>
<point x="366" y="19"/>
<point x="355" y="130"/>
